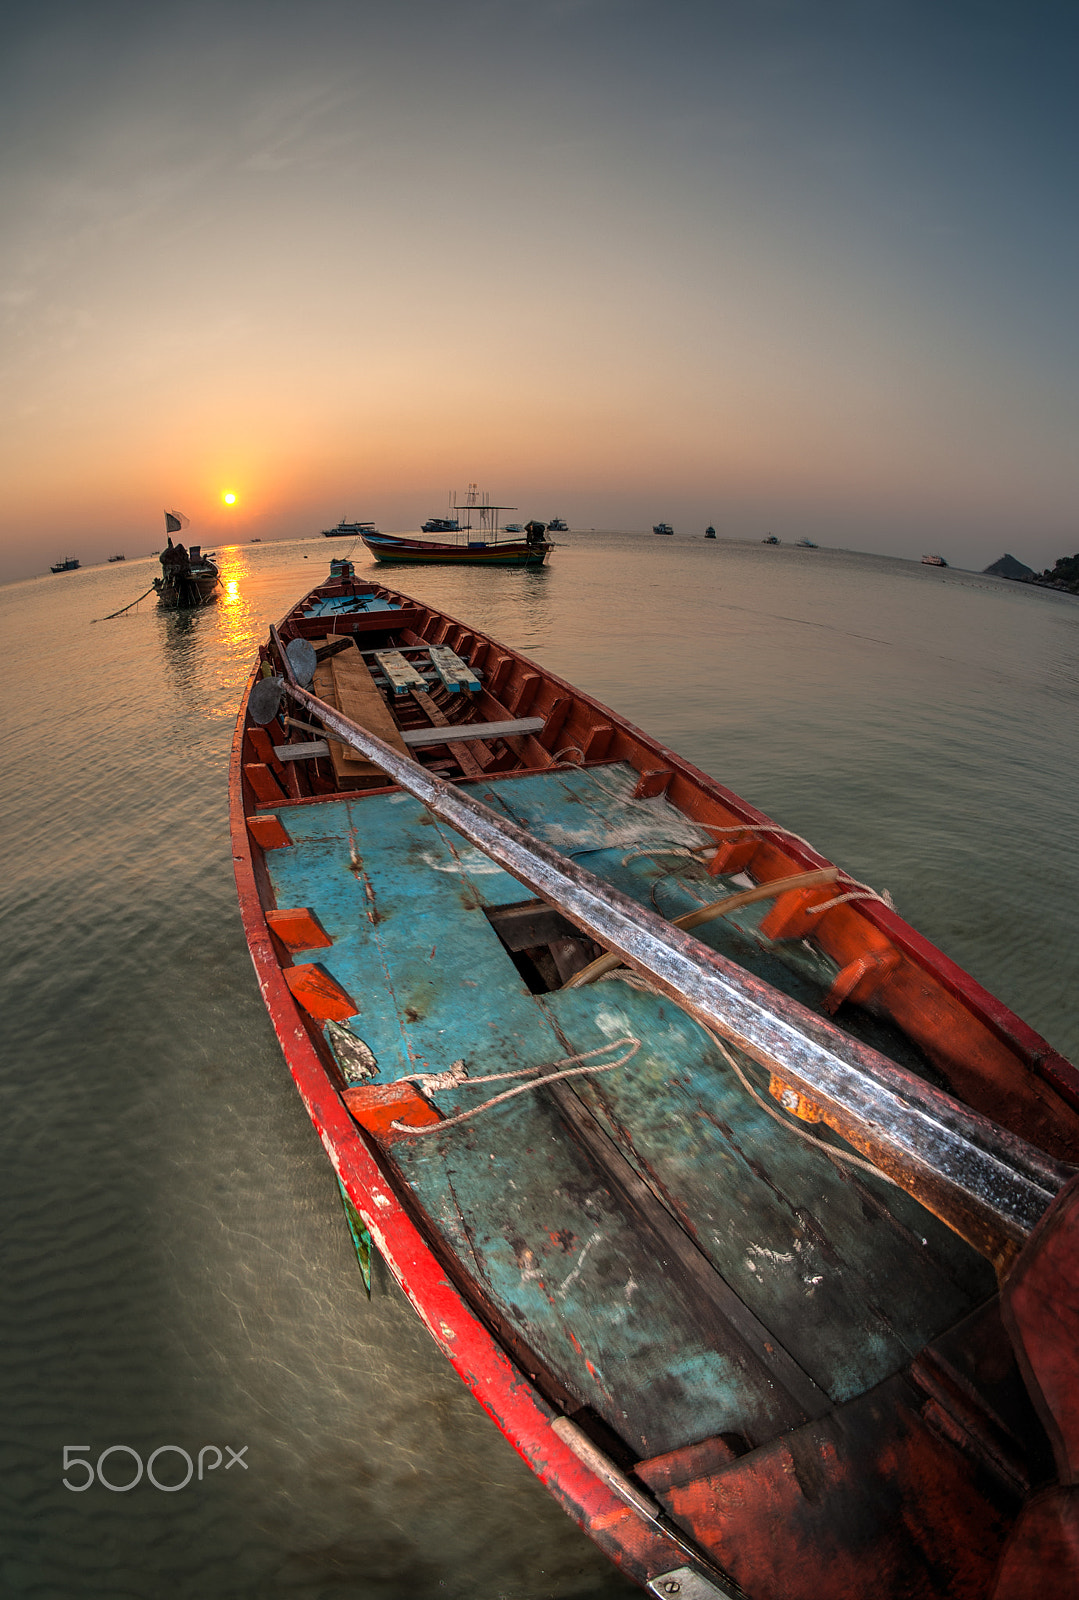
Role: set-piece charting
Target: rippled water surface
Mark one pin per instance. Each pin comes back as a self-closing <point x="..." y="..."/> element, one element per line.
<point x="175" y="1258"/>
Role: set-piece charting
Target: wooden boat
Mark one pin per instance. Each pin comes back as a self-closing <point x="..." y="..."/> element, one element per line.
<point x="116" y="558"/>
<point x="491" y="551"/>
<point x="762" y="1248"/>
<point x="934" y="561"/>
<point x="188" y="578"/>
<point x="66" y="564"/>
<point x="349" y="530"/>
<point x="709" y="532"/>
<point x="662" y="527"/>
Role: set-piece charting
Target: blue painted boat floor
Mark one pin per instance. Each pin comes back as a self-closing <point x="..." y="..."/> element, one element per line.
<point x="843" y="1272"/>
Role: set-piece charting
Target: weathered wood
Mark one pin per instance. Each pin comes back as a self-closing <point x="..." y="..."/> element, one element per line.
<point x="455" y="673"/>
<point x="352" y="691"/>
<point x="468" y="762"/>
<point x="309" y="751"/>
<point x="402" y="675"/>
<point x="473" y="730"/>
<point x="986" y="1183"/>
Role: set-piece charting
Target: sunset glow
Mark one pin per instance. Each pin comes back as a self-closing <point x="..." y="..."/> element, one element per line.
<point x="699" y="264"/>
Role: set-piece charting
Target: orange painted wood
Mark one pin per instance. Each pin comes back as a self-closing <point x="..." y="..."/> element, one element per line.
<point x="860" y="978"/>
<point x="263" y="782"/>
<point x="527" y="686"/>
<point x="598" y="741"/>
<point x="734" y="854"/>
<point x="376" y="1105"/>
<point x="652" y="782"/>
<point x="320" y="995"/>
<point x="298" y="928"/>
<point x="789" y="918"/>
<point x="262" y="746"/>
<point x="268" y="832"/>
<point x="1041" y="1559"/>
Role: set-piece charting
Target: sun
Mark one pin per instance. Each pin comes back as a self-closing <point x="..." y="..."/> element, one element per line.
<point x="228" y="497"/>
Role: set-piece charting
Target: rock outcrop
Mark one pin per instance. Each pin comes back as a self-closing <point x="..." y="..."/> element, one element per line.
<point x="1009" y="567"/>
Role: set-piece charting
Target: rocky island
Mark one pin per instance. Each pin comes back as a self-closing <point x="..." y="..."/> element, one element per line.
<point x="1064" y="574"/>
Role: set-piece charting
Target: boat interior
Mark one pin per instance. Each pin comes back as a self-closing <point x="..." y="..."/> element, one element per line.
<point x="674" y="1250"/>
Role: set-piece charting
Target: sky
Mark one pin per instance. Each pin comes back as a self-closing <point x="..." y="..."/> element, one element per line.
<point x="796" y="266"/>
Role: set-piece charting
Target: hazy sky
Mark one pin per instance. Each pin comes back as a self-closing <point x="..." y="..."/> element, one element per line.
<point x="780" y="265"/>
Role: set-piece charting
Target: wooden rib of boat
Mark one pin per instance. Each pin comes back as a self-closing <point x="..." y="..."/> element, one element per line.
<point x="491" y="551"/>
<point x="761" y="1248"/>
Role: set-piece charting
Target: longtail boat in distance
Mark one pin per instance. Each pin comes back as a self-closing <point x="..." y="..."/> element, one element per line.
<point x="188" y="578"/>
<point x="750" y="1218"/>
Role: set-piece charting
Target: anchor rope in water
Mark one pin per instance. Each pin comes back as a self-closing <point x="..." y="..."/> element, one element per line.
<point x="122" y="609"/>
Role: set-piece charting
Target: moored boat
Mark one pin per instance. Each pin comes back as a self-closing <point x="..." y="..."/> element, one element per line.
<point x="934" y="561"/>
<point x="558" y="525"/>
<point x="715" y="1239"/>
<point x="349" y="530"/>
<point x="662" y="527"/>
<point x="66" y="564"/>
<point x="116" y="558"/>
<point x="492" y="551"/>
<point x="188" y="578"/>
<point x="440" y="525"/>
<point x="709" y="532"/>
<point x="771" y="539"/>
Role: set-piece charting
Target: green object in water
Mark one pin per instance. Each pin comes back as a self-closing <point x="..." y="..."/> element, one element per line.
<point x="361" y="1239"/>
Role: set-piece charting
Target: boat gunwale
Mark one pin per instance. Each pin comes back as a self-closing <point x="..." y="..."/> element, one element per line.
<point x="502" y="1388"/>
<point x="1038" y="1056"/>
<point x="506" y="1390"/>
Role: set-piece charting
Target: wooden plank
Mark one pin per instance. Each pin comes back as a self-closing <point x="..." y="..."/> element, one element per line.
<point x="472" y="730"/>
<point x="455" y="673"/>
<point x="309" y="751"/>
<point x="402" y="674"/>
<point x="345" y="682"/>
<point x="468" y="762"/>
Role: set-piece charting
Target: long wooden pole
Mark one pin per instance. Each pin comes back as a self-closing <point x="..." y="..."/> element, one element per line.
<point x="985" y="1182"/>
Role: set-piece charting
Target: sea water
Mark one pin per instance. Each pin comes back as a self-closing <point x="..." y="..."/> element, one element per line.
<point x="177" y="1271"/>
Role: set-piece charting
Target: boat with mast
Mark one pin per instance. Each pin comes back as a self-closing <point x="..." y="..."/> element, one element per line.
<point x="188" y="578"/>
<point x="480" y="540"/>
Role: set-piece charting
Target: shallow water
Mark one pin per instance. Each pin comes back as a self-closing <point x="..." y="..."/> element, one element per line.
<point x="177" y="1264"/>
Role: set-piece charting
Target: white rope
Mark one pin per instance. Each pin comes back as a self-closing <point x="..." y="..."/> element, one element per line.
<point x="858" y="890"/>
<point x="635" y="981"/>
<point x="457" y="1076"/>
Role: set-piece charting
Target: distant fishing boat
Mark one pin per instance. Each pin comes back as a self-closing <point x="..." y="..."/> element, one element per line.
<point x="68" y="564"/>
<point x="440" y="525"/>
<point x="934" y="561"/>
<point x="188" y="578"/>
<point x="482" y="546"/>
<point x="496" y="551"/>
<point x="662" y="527"/>
<point x="116" y="558"/>
<point x="762" y="1250"/>
<point x="349" y="530"/>
<point x="771" y="539"/>
<point x="557" y="525"/>
<point x="709" y="532"/>
<point x="805" y="544"/>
